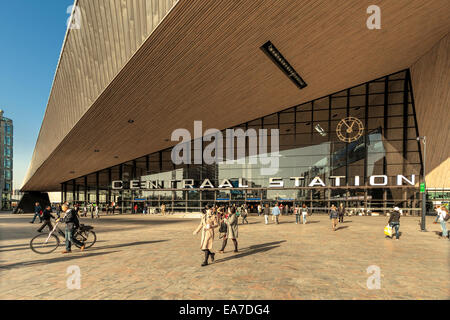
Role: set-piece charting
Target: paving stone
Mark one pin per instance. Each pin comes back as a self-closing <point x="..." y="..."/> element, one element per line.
<point x="155" y="257"/>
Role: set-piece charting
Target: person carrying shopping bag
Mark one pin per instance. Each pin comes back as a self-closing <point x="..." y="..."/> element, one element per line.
<point x="394" y="222"/>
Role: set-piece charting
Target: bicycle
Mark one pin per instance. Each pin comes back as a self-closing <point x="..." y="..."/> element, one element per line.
<point x="47" y="243"/>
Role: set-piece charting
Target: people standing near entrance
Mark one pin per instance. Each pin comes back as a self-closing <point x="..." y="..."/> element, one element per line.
<point x="341" y="212"/>
<point x="46" y="216"/>
<point x="135" y="209"/>
<point x="334" y="217"/>
<point x="163" y="209"/>
<point x="394" y="222"/>
<point x="276" y="212"/>
<point x="37" y="212"/>
<point x="304" y="213"/>
<point x="232" y="229"/>
<point x="266" y="213"/>
<point x="442" y="214"/>
<point x="207" y="224"/>
<point x="72" y="223"/>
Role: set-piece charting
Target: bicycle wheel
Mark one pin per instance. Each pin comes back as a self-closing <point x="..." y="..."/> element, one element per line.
<point x="43" y="243"/>
<point x="88" y="238"/>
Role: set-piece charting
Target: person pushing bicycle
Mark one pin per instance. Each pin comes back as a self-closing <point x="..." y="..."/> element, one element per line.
<point x="72" y="223"/>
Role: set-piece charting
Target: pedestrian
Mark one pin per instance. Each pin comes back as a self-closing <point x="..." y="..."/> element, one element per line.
<point x="58" y="210"/>
<point x="46" y="216"/>
<point x="334" y="217"/>
<point x="276" y="212"/>
<point x="84" y="210"/>
<point x="259" y="208"/>
<point x="91" y="209"/>
<point x="394" y="222"/>
<point x="135" y="208"/>
<point x="232" y="229"/>
<point x="163" y="209"/>
<point x="37" y="212"/>
<point x="297" y="212"/>
<point x="304" y="213"/>
<point x="72" y="223"/>
<point x="244" y="214"/>
<point x="96" y="211"/>
<point x="207" y="224"/>
<point x="442" y="213"/>
<point x="341" y="212"/>
<point x="266" y="213"/>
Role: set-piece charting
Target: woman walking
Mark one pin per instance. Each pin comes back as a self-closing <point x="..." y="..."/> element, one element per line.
<point x="207" y="225"/>
<point x="297" y="214"/>
<point x="232" y="230"/>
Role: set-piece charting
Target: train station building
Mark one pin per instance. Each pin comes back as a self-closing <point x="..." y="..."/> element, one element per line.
<point x="337" y="105"/>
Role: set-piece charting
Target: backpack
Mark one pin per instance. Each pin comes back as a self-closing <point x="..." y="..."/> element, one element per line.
<point x="447" y="216"/>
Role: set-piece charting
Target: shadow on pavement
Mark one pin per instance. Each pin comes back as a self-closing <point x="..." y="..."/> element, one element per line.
<point x="27" y="246"/>
<point x="125" y="245"/>
<point x="263" y="247"/>
<point x="339" y="228"/>
<point x="66" y="257"/>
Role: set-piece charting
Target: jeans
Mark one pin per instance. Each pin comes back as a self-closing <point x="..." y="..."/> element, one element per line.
<point x="276" y="219"/>
<point x="297" y="218"/>
<point x="36" y="214"/>
<point x="304" y="217"/>
<point x="266" y="218"/>
<point x="444" y="228"/>
<point x="396" y="226"/>
<point x="69" y="238"/>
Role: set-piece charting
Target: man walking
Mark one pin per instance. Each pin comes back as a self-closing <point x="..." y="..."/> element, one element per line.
<point x="394" y="222"/>
<point x="276" y="212"/>
<point x="441" y="215"/>
<point x="72" y="223"/>
<point x="46" y="216"/>
<point x="37" y="212"/>
<point x="341" y="212"/>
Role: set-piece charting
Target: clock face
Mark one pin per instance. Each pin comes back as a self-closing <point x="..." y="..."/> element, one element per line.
<point x="349" y="129"/>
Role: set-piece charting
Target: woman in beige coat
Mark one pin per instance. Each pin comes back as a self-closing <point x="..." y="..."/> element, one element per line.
<point x="207" y="225"/>
<point x="232" y="230"/>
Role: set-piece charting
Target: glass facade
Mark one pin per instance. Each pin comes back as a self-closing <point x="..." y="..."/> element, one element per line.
<point x="367" y="130"/>
<point x="6" y="160"/>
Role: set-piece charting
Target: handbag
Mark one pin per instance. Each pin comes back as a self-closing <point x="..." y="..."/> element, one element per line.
<point x="223" y="227"/>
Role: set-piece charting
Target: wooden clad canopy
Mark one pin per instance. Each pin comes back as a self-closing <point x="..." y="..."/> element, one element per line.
<point x="203" y="62"/>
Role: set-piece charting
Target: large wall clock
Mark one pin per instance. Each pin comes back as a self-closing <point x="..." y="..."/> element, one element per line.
<point x="349" y="129"/>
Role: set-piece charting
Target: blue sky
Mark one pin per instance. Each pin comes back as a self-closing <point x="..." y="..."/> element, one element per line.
<point x="31" y="37"/>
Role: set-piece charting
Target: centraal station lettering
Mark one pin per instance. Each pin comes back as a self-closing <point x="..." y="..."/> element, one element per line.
<point x="275" y="182"/>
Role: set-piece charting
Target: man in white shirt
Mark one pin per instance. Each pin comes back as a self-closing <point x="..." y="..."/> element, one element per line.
<point x="441" y="214"/>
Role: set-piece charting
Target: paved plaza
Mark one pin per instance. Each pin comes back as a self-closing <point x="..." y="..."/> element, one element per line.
<point x="157" y="257"/>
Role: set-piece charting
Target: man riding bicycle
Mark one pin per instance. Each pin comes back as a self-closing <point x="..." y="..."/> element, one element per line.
<point x="72" y="223"/>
